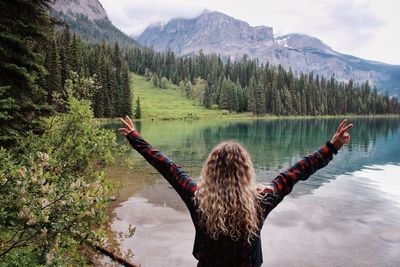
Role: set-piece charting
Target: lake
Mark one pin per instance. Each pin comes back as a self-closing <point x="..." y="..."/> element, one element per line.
<point x="347" y="214"/>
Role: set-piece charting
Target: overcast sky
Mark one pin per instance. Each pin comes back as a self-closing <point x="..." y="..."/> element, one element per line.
<point x="365" y="28"/>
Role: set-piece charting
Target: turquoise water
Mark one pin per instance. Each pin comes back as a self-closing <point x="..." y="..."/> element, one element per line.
<point x="275" y="144"/>
<point x="348" y="213"/>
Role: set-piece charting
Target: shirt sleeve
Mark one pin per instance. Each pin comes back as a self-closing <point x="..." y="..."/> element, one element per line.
<point x="172" y="172"/>
<point x="283" y="184"/>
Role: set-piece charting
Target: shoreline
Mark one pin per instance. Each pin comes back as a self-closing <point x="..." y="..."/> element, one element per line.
<point x="267" y="117"/>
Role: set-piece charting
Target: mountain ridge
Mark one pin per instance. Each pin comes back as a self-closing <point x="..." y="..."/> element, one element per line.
<point x="216" y="32"/>
<point x="89" y="20"/>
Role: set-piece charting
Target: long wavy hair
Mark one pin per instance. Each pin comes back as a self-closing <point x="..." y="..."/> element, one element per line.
<point x="227" y="193"/>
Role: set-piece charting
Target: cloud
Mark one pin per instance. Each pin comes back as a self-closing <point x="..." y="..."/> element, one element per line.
<point x="133" y="17"/>
<point x="365" y="28"/>
<point x="356" y="22"/>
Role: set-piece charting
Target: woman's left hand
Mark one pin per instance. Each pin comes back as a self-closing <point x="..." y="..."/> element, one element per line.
<point x="128" y="126"/>
<point x="341" y="137"/>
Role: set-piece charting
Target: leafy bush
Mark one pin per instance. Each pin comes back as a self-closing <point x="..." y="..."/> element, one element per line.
<point x="164" y="83"/>
<point x="53" y="190"/>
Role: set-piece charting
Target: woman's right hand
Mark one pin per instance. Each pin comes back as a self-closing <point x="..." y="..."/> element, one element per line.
<point x="128" y="126"/>
<point x="341" y="137"/>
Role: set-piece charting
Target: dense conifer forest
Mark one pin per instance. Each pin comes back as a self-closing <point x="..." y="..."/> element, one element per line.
<point x="69" y="57"/>
<point x="240" y="86"/>
<point x="246" y="85"/>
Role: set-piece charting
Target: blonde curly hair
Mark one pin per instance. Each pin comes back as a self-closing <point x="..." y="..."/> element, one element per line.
<point x="227" y="193"/>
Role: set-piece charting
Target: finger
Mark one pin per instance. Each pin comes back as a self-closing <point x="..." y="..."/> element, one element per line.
<point x="345" y="129"/>
<point x="341" y="125"/>
<point x="125" y="123"/>
<point x="129" y="121"/>
<point x="123" y="131"/>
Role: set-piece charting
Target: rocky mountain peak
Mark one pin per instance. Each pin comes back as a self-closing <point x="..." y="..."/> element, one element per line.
<point x="301" y="41"/>
<point x="234" y="27"/>
<point x="88" y="19"/>
<point x="90" y="8"/>
<point x="209" y="28"/>
<point x="216" y="32"/>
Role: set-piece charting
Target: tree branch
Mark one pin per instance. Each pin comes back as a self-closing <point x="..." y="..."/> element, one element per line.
<point x="112" y="255"/>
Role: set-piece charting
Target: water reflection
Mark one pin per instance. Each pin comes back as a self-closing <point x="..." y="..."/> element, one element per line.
<point x="275" y="144"/>
<point x="347" y="214"/>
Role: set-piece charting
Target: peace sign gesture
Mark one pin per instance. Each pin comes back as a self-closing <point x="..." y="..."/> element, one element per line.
<point x="341" y="136"/>
<point x="128" y="126"/>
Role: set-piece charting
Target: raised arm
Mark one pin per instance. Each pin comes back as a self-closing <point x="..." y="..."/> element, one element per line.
<point x="172" y="172"/>
<point x="284" y="182"/>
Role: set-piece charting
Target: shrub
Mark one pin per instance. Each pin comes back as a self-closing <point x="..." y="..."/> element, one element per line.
<point x="53" y="192"/>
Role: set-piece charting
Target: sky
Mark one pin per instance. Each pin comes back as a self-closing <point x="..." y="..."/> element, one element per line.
<point x="364" y="28"/>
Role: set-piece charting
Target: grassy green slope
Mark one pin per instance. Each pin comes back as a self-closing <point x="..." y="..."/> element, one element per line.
<point x="168" y="104"/>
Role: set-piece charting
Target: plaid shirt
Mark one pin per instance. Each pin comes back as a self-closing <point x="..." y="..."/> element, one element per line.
<point x="225" y="251"/>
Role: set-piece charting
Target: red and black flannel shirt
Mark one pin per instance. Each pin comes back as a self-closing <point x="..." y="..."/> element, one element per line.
<point x="225" y="251"/>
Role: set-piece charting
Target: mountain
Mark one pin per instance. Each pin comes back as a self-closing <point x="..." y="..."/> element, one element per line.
<point x="89" y="20"/>
<point x="215" y="32"/>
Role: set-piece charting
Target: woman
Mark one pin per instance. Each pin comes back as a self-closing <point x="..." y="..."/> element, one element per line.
<point x="227" y="208"/>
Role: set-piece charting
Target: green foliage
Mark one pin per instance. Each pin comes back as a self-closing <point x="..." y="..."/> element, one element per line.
<point x="23" y="29"/>
<point x="168" y="104"/>
<point x="198" y="90"/>
<point x="53" y="65"/>
<point x="80" y="87"/>
<point x="163" y="83"/>
<point x="188" y="88"/>
<point x="155" y="80"/>
<point x="251" y="106"/>
<point x="260" y="89"/>
<point x="207" y="98"/>
<point x="224" y="94"/>
<point x="126" y="95"/>
<point x="260" y="101"/>
<point x="233" y="98"/>
<point x="138" y="110"/>
<point x="69" y="57"/>
<point x="182" y="88"/>
<point x="95" y="31"/>
<point x="53" y="191"/>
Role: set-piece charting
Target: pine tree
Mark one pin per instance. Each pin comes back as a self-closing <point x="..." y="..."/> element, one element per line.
<point x="207" y="97"/>
<point x="260" y="102"/>
<point x="127" y="96"/>
<point x="138" y="110"/>
<point x="251" y="102"/>
<point x="106" y="74"/>
<point x="224" y="94"/>
<point x="53" y="78"/>
<point x="233" y="98"/>
<point x="117" y="58"/>
<point x="65" y="54"/>
<point x="76" y="56"/>
<point x="287" y="100"/>
<point x="112" y="88"/>
<point x="241" y="98"/>
<point x="22" y="97"/>
<point x="99" y="99"/>
<point x="277" y="103"/>
<point x="303" y="103"/>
